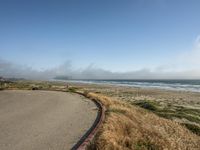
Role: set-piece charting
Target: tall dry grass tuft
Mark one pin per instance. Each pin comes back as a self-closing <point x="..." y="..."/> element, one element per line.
<point x="130" y="127"/>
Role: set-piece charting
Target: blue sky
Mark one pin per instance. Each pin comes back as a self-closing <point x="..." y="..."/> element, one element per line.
<point x="115" y="35"/>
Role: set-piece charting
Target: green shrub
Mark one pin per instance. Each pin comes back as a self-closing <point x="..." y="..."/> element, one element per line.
<point x="141" y="145"/>
<point x="194" y="128"/>
<point x="35" y="88"/>
<point x="114" y="110"/>
<point x="147" y="105"/>
<point x="72" y="89"/>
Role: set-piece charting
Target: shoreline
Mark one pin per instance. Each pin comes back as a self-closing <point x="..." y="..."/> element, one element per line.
<point x="180" y="106"/>
<point x="127" y="87"/>
<point x="139" y="91"/>
<point x="168" y="87"/>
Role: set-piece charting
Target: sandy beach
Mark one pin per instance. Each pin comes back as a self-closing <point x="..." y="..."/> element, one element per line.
<point x="180" y="106"/>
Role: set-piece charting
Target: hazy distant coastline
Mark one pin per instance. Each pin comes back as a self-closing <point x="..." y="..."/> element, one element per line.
<point x="177" y="85"/>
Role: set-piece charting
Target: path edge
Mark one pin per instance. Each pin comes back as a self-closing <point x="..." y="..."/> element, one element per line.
<point x="87" y="138"/>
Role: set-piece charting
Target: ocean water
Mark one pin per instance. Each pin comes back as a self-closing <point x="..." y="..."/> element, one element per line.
<point x="180" y="85"/>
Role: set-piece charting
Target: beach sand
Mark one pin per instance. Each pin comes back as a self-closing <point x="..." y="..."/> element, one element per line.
<point x="180" y="106"/>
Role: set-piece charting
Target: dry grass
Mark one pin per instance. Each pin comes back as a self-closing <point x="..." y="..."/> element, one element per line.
<point x="179" y="106"/>
<point x="130" y="127"/>
<point x="127" y="126"/>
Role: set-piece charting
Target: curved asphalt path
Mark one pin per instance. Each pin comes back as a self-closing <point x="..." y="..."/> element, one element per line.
<point x="43" y="120"/>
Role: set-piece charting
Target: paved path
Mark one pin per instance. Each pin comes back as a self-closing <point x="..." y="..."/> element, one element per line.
<point x="43" y="120"/>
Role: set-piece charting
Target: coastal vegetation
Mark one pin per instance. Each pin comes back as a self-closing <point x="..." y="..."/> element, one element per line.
<point x="191" y="115"/>
<point x="140" y="123"/>
<point x="181" y="107"/>
<point x="130" y="127"/>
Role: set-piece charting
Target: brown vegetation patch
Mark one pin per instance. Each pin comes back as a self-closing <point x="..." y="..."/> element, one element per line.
<point x="130" y="127"/>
